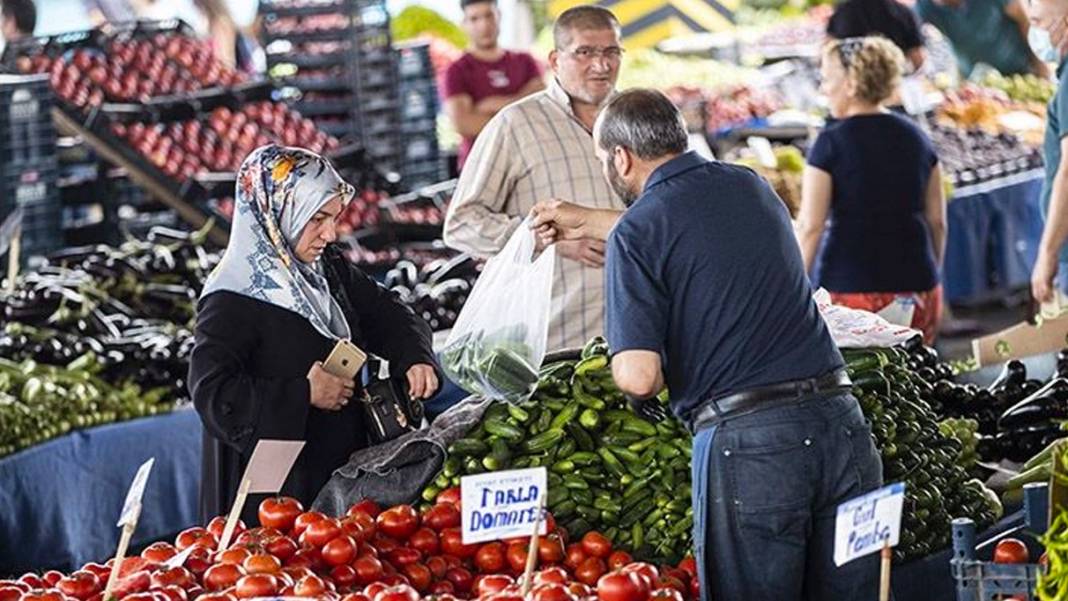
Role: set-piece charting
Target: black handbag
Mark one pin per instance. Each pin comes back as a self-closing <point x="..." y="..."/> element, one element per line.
<point x="388" y="410"/>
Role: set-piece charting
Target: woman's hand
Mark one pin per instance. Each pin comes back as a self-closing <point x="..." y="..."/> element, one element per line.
<point x="422" y="381"/>
<point x="329" y="392"/>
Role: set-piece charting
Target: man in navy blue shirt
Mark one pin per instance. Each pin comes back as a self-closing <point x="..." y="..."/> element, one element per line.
<point x="706" y="290"/>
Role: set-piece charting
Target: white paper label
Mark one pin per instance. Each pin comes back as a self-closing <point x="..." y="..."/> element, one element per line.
<point x="132" y="507"/>
<point x="867" y="524"/>
<point x="270" y="464"/>
<point x="499" y="505"/>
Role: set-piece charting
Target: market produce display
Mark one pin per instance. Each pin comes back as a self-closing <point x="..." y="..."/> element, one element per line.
<point x="938" y="486"/>
<point x="366" y="555"/>
<point x="99" y="334"/>
<point x="974" y="156"/>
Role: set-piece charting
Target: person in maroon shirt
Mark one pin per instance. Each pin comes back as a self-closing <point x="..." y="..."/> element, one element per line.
<point x="487" y="77"/>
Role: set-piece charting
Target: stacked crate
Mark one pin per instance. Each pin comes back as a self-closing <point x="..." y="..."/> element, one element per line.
<point x="421" y="161"/>
<point x="28" y="168"/>
<point x="338" y="53"/>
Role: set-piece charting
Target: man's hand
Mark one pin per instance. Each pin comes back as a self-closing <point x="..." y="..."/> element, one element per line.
<point x="588" y="252"/>
<point x="1042" y="277"/>
<point x="556" y="220"/>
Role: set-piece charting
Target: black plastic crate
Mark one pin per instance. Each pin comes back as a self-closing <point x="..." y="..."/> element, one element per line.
<point x="420" y="147"/>
<point x="413" y="61"/>
<point x="22" y="185"/>
<point x="314" y="108"/>
<point x="418" y="102"/>
<point x="24" y="97"/>
<point x="16" y="149"/>
<point x="419" y="126"/>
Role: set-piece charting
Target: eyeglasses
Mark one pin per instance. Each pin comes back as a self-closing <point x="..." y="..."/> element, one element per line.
<point x="586" y="53"/>
<point x="848" y="48"/>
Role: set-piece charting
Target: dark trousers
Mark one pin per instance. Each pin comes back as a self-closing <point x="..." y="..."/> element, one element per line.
<point x="766" y="487"/>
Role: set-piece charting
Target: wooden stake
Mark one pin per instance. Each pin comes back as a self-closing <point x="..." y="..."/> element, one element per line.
<point x="120" y="554"/>
<point x="884" y="575"/>
<point x="13" y="257"/>
<point x="235" y="514"/>
<point x="532" y="552"/>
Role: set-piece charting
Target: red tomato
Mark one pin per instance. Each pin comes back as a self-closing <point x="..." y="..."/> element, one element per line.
<point x="398" y="522"/>
<point x="440" y="588"/>
<point x="137" y="582"/>
<point x="403" y="556"/>
<point x="517" y="556"/>
<point x="281" y="547"/>
<point x="551" y="576"/>
<point x="51" y="577"/>
<point x="673" y="583"/>
<point x="489" y="585"/>
<point x="321" y="532"/>
<point x="43" y="595"/>
<point x="355" y="597"/>
<point x="384" y="545"/>
<point x="647" y="571"/>
<point x="196" y="537"/>
<point x="442" y="516"/>
<point x="304" y="520"/>
<point x="159" y="552"/>
<point x="453" y="562"/>
<point x="222" y="576"/>
<point x="180" y="577"/>
<point x="33" y="581"/>
<point x="623" y="586"/>
<point x="618" y="559"/>
<point x="11" y="591"/>
<point x="199" y="561"/>
<point x="419" y="576"/>
<point x="695" y="588"/>
<point x="575" y="556"/>
<point x="234" y="555"/>
<point x="596" y="544"/>
<point x="368" y="570"/>
<point x="452" y="544"/>
<point x="550" y="549"/>
<point x="218" y="524"/>
<point x="425" y="541"/>
<point x="690" y="565"/>
<point x="340" y="551"/>
<point x="450" y="496"/>
<point x="580" y="590"/>
<point x="372" y="590"/>
<point x="343" y="576"/>
<point x="666" y="594"/>
<point x="1011" y="550"/>
<point x="437" y="566"/>
<point x="174" y="593"/>
<point x="590" y="571"/>
<point x="401" y="592"/>
<point x="360" y="527"/>
<point x="309" y="586"/>
<point x="257" y="585"/>
<point x="490" y="558"/>
<point x="551" y="592"/>
<point x="102" y="572"/>
<point x="217" y="597"/>
<point x="460" y="578"/>
<point x="80" y="585"/>
<point x="366" y="506"/>
<point x="280" y="512"/>
<point x="262" y="563"/>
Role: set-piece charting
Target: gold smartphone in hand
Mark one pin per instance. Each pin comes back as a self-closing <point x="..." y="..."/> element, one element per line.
<point x="345" y="361"/>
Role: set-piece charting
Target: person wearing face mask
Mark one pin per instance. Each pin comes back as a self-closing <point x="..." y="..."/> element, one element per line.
<point x="887" y="231"/>
<point x="706" y="292"/>
<point x="1049" y="39"/>
<point x="994" y="32"/>
<point x="541" y="148"/>
<point x="271" y="312"/>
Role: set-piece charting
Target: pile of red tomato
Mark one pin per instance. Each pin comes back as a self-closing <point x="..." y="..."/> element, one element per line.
<point x="367" y="555"/>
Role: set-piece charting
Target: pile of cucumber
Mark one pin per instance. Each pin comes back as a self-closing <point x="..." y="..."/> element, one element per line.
<point x="497" y="366"/>
<point x="938" y="486"/>
<point x="609" y="470"/>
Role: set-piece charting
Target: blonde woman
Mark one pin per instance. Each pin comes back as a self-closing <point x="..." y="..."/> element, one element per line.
<point x="876" y="176"/>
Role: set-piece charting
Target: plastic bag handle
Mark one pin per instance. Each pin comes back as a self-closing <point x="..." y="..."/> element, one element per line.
<point x="523" y="244"/>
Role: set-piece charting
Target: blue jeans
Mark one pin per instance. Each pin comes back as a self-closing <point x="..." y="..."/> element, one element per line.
<point x="766" y="487"/>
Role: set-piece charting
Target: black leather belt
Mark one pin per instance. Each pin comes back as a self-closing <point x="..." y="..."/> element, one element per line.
<point x="749" y="401"/>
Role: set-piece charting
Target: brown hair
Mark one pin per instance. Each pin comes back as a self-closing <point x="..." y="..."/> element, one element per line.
<point x="585" y="17"/>
<point x="874" y="64"/>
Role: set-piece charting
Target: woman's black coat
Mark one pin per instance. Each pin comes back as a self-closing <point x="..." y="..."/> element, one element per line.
<point x="248" y="380"/>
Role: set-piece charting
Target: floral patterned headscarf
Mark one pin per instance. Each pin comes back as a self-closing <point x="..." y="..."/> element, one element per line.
<point x="279" y="190"/>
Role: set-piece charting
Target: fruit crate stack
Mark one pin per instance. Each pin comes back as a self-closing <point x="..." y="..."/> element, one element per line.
<point x="28" y="167"/>
<point x="339" y="55"/>
<point x="421" y="160"/>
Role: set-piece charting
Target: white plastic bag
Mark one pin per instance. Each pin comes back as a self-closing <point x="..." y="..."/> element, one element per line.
<point x="853" y="328"/>
<point x="497" y="345"/>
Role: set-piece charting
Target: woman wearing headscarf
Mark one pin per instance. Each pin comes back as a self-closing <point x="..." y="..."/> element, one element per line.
<point x="271" y="312"/>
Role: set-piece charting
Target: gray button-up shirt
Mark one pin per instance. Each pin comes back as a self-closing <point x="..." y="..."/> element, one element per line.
<point x="535" y="149"/>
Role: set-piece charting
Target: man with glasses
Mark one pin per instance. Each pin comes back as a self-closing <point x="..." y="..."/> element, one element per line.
<point x="541" y="148"/>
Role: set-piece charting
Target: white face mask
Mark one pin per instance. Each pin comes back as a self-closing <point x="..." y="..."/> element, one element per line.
<point x="1042" y="45"/>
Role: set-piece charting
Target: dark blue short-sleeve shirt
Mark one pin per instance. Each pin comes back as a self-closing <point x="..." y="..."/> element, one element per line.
<point x="705" y="270"/>
<point x="878" y="240"/>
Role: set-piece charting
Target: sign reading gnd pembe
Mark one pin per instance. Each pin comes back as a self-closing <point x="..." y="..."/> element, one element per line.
<point x="499" y="505"/>
<point x="868" y="524"/>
